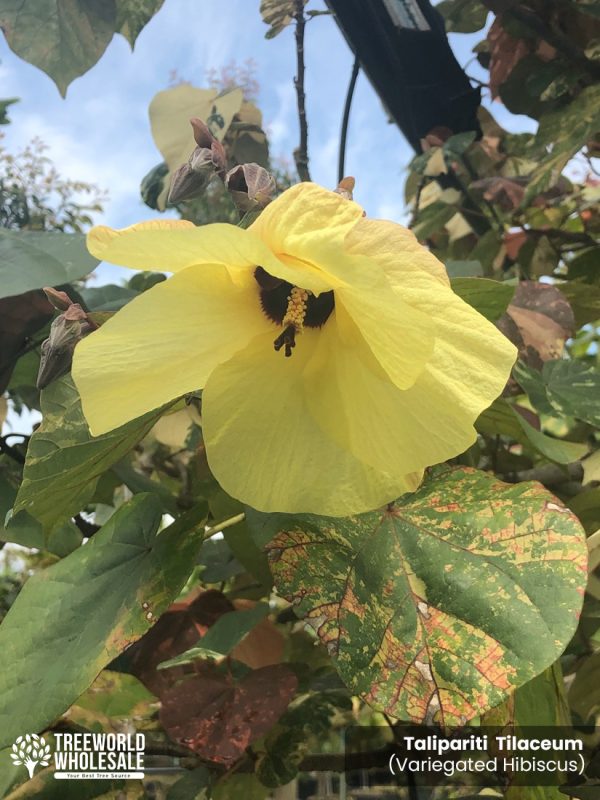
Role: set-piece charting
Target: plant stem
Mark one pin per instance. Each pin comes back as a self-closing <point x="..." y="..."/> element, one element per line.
<point x="346" y="118"/>
<point x="227" y="523"/>
<point x="301" y="153"/>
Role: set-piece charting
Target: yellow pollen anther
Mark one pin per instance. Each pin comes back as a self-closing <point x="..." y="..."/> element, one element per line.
<point x="296" y="309"/>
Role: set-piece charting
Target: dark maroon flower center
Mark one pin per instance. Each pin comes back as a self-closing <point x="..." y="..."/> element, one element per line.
<point x="274" y="299"/>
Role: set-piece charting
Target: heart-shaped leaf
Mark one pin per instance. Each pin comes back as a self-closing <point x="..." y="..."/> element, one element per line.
<point x="71" y="619"/>
<point x="218" y="717"/>
<point x="64" y="38"/>
<point x="64" y="462"/>
<point x="438" y="607"/>
<point x="34" y="259"/>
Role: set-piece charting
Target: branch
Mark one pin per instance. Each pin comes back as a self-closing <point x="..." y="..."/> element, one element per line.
<point x="346" y="118"/>
<point x="301" y="153"/>
<point x="226" y="523"/>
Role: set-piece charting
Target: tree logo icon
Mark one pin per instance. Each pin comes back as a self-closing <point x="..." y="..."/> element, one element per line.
<point x="31" y="750"/>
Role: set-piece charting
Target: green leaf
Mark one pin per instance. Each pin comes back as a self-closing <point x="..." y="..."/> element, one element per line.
<point x="138" y="483"/>
<point x="234" y="786"/>
<point x="34" y="259"/>
<point x="457" y="144"/>
<point x="278" y="14"/>
<point x="442" y="605"/>
<point x="463" y="269"/>
<point x="567" y="387"/>
<point x="539" y="702"/>
<point x="195" y="785"/>
<point x="107" y="298"/>
<point x="248" y="554"/>
<point x="489" y="297"/>
<point x="10" y="773"/>
<point x="463" y="16"/>
<point x="115" y="694"/>
<point x="584" y="692"/>
<point x="64" y="462"/>
<point x="64" y="38"/>
<point x="501" y="418"/>
<point x="591" y="7"/>
<point x="289" y="741"/>
<point x="133" y="15"/>
<point x="573" y="389"/>
<point x="585" y="265"/>
<point x="587" y="507"/>
<point x="561" y="134"/>
<point x="26" y="531"/>
<point x="584" y="298"/>
<point x="71" y="619"/>
<point x="531" y="381"/>
<point x="221" y="638"/>
<point x="4" y="104"/>
<point x="432" y="219"/>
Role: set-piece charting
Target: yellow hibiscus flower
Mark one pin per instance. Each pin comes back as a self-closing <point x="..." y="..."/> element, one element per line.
<point x="336" y="362"/>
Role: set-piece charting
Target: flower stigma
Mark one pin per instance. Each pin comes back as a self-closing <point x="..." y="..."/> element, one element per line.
<point x="291" y="307"/>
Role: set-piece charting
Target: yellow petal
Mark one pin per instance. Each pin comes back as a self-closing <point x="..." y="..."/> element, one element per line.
<point x="399" y="336"/>
<point x="395" y="249"/>
<point x="305" y="227"/>
<point x="173" y="245"/>
<point x="407" y="430"/>
<point x="165" y="343"/>
<point x="265" y="448"/>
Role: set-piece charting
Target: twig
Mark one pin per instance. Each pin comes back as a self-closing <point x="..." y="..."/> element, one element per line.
<point x="346" y="118"/>
<point x="227" y="523"/>
<point x="301" y="153"/>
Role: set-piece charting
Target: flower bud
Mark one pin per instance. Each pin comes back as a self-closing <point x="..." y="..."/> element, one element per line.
<point x="207" y="160"/>
<point x="202" y="134"/>
<point x="60" y="300"/>
<point x="346" y="187"/>
<point x="66" y="330"/>
<point x="251" y="186"/>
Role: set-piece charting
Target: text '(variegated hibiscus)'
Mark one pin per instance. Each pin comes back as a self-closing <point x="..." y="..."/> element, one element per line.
<point x="336" y="363"/>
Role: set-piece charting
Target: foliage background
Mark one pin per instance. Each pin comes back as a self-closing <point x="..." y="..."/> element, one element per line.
<point x="519" y="207"/>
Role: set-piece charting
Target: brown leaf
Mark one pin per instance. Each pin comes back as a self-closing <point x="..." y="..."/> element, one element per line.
<point x="183" y="625"/>
<point x="508" y="193"/>
<point x="514" y="242"/>
<point x="20" y="317"/>
<point x="176" y="631"/>
<point x="505" y="54"/>
<point x="217" y="718"/>
<point x="538" y="321"/>
<point x="263" y="646"/>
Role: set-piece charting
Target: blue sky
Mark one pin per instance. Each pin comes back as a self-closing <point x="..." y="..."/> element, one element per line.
<point x="101" y="133"/>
